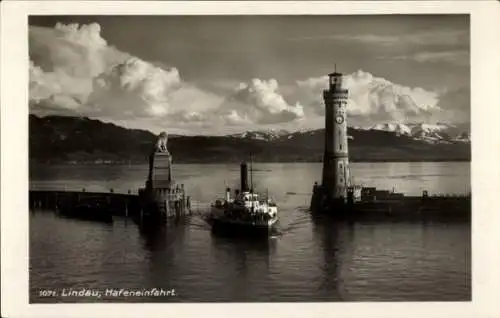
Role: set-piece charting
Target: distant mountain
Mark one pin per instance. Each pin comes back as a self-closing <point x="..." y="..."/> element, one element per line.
<point x="271" y="134"/>
<point x="399" y="129"/>
<point x="462" y="137"/>
<point x="430" y="133"/>
<point x="58" y="139"/>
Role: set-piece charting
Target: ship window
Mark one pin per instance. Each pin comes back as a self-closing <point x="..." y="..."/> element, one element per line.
<point x="341" y="180"/>
<point x="340" y="146"/>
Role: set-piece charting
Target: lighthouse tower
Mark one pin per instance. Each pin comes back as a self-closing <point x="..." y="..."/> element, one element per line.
<point x="335" y="181"/>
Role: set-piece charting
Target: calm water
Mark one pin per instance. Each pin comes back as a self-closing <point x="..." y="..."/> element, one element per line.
<point x="310" y="260"/>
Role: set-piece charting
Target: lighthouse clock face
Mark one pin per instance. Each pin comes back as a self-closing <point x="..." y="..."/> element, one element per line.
<point x="340" y="119"/>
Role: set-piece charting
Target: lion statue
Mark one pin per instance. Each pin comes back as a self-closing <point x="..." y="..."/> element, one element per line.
<point x="161" y="143"/>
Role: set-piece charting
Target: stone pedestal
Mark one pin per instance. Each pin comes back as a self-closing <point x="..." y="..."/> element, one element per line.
<point x="162" y="198"/>
<point x="160" y="171"/>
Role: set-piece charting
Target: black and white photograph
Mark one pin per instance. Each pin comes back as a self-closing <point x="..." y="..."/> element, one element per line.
<point x="249" y="158"/>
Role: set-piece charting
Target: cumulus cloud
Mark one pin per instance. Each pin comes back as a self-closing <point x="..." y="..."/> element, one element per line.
<point x="57" y="88"/>
<point x="135" y="88"/>
<point x="260" y="102"/>
<point x="74" y="71"/>
<point x="372" y="99"/>
<point x="73" y="68"/>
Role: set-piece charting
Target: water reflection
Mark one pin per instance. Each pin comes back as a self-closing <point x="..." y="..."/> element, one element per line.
<point x="245" y="251"/>
<point x="327" y="237"/>
<point x="161" y="237"/>
<point x="153" y="239"/>
<point x="246" y="264"/>
<point x="258" y="244"/>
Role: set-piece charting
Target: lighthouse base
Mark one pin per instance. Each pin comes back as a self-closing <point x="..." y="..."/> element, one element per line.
<point x="323" y="202"/>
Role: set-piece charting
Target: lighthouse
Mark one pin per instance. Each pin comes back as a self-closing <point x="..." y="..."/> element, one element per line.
<point x="335" y="180"/>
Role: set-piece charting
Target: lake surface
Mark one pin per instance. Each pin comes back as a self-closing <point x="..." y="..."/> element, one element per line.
<point x="309" y="260"/>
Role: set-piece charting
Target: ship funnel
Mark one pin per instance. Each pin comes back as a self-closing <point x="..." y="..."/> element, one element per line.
<point x="244" y="177"/>
<point x="228" y="194"/>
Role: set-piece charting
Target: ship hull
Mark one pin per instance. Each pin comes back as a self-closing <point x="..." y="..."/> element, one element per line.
<point x="227" y="226"/>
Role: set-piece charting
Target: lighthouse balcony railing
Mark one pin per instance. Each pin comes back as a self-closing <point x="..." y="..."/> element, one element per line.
<point x="335" y="92"/>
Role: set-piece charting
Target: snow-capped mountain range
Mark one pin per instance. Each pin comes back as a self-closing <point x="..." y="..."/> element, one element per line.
<point x="63" y="139"/>
<point x="432" y="133"/>
<point x="271" y="134"/>
<point x="428" y="133"/>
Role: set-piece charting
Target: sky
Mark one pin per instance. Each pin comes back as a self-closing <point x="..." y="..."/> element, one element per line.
<point x="213" y="75"/>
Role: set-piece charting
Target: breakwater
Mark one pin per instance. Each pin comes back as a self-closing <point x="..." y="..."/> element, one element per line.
<point x="102" y="206"/>
<point x="395" y="207"/>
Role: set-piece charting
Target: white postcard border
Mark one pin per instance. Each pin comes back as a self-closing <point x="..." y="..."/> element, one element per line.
<point x="485" y="171"/>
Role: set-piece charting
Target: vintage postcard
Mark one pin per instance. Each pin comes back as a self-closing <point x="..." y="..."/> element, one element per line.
<point x="250" y="158"/>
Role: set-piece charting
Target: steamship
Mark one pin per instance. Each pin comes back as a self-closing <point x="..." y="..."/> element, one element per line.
<point x="245" y="212"/>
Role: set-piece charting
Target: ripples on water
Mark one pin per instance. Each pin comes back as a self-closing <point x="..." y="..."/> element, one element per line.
<point x="307" y="260"/>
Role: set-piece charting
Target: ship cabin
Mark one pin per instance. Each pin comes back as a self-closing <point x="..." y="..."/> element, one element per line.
<point x="248" y="199"/>
<point x="252" y="200"/>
